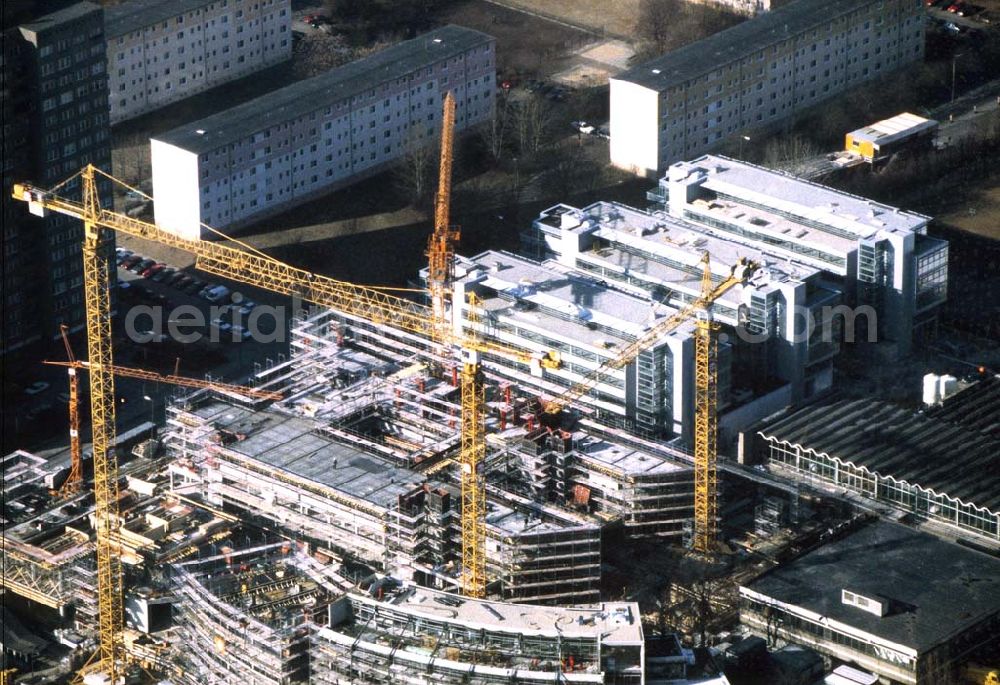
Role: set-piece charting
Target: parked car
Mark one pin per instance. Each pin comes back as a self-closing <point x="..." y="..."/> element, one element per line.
<point x="164" y="274"/>
<point x="240" y="333"/>
<point x="216" y="293"/>
<point x="153" y="270"/>
<point x="221" y="325"/>
<point x="121" y="254"/>
<point x="194" y="286"/>
<point x="247" y="306"/>
<point x="174" y="278"/>
<point x="130" y="261"/>
<point x="141" y="266"/>
<point x="36" y="388"/>
<point x="183" y="282"/>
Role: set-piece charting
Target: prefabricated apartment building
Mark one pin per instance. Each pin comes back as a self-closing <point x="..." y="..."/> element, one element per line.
<point x="163" y="51"/>
<point x="755" y="74"/>
<point x="328" y="131"/>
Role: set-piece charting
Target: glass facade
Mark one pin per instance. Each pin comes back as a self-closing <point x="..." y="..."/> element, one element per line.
<point x="911" y="497"/>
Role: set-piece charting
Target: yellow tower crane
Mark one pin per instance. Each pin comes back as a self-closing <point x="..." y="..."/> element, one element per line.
<point x="440" y="247"/>
<point x="74" y="480"/>
<point x="440" y="272"/>
<point x="705" y="448"/>
<point x="244" y="264"/>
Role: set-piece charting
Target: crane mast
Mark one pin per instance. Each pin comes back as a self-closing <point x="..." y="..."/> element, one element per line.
<point x="440" y="272"/>
<point x="96" y="283"/>
<point x="706" y="502"/>
<point x="440" y="247"/>
<point x="73" y="481"/>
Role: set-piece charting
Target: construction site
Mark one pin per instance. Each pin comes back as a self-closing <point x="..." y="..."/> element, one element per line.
<point x="410" y="496"/>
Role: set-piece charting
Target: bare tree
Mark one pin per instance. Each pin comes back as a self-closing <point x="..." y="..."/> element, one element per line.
<point x="494" y="132"/>
<point x="789" y="152"/>
<point x="532" y="121"/>
<point x="131" y="161"/>
<point x="654" y="22"/>
<point x="415" y="171"/>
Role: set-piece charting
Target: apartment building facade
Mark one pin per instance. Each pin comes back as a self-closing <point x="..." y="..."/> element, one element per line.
<point x="55" y="122"/>
<point x="315" y="135"/>
<point x="753" y="75"/>
<point x="166" y="50"/>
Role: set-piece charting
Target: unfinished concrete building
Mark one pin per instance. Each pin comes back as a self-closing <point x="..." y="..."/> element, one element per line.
<point x="247" y="615"/>
<point x="420" y="635"/>
<point x="335" y="489"/>
<point x="277" y="612"/>
<point x="648" y="494"/>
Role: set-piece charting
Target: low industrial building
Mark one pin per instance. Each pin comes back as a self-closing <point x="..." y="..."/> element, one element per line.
<point x="756" y="74"/>
<point x="315" y="135"/>
<point x="162" y="51"/>
<point x="935" y="465"/>
<point x="903" y="604"/>
<point x="881" y="140"/>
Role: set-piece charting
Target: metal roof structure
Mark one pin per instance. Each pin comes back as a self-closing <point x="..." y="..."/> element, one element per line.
<point x="888" y="441"/>
<point x="701" y="57"/>
<point x="317" y="93"/>
<point x="127" y="17"/>
<point x="936" y="589"/>
<point x="977" y="408"/>
<point x="893" y="129"/>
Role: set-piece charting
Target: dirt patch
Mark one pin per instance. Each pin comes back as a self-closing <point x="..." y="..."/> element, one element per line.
<point x="595" y="63"/>
<point x="980" y="213"/>
<point x="526" y="44"/>
<point x="610" y="18"/>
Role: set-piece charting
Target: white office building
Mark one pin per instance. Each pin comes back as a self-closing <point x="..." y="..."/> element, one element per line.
<point x="831" y="267"/>
<point x="162" y="51"/>
<point x="879" y="256"/>
<point x="755" y="74"/>
<point x="302" y="141"/>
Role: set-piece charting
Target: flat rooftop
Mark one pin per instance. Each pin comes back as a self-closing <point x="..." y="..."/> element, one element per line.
<point x="138" y="14"/>
<point x="927" y="450"/>
<point x="511" y="522"/>
<point x="894" y="128"/>
<point x="319" y="92"/>
<point x="835" y="219"/>
<point x="693" y="61"/>
<point x="628" y="460"/>
<point x="672" y="250"/>
<point x="562" y="301"/>
<point x="935" y="588"/>
<point x="60" y="18"/>
<point x="610" y="622"/>
<point x="295" y="446"/>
